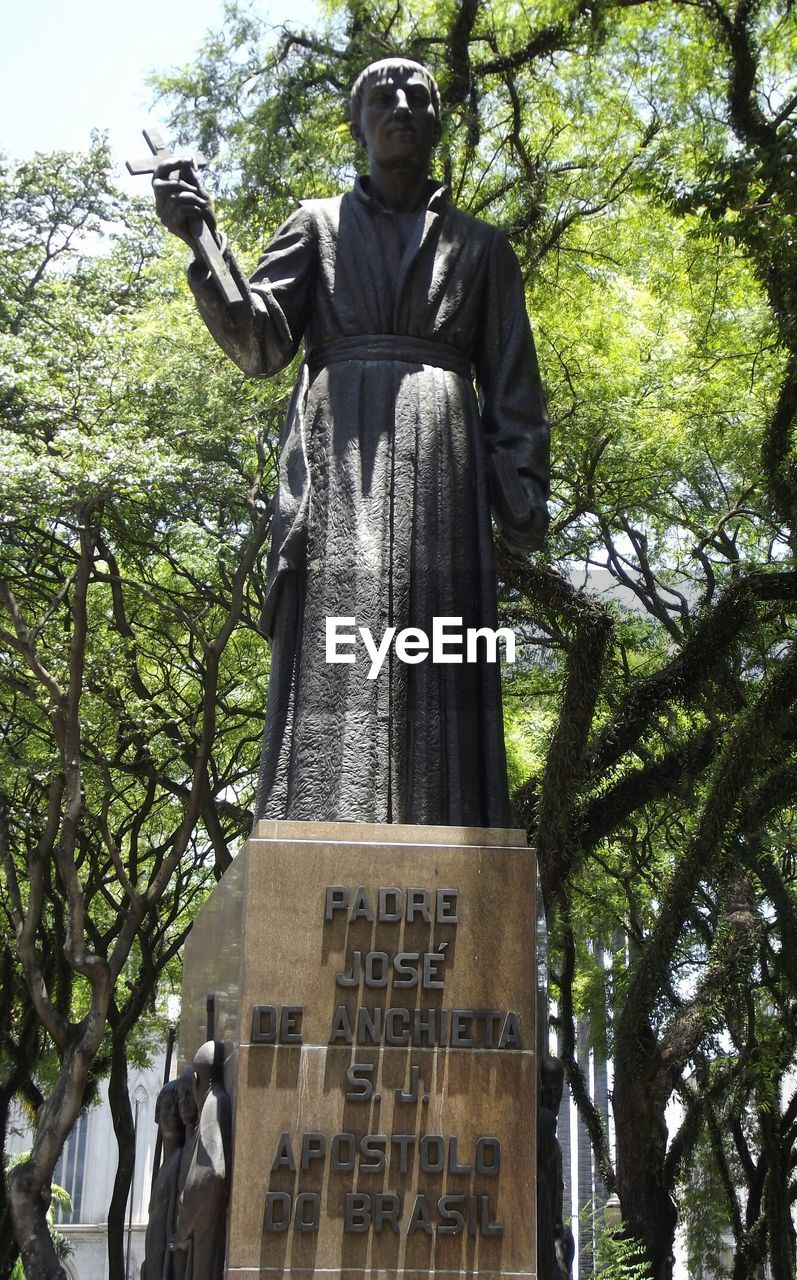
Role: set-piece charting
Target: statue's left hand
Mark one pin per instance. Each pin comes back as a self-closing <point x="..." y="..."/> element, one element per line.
<point x="530" y="536"/>
<point x="518" y="503"/>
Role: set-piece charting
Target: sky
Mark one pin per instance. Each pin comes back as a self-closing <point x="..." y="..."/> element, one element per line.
<point x="70" y="66"/>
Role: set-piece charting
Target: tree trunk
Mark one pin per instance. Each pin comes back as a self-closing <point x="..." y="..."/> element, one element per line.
<point x="649" y="1213"/>
<point x="9" y="1250"/>
<point x="30" y="1182"/>
<point x="122" y="1114"/>
<point x="30" y="1200"/>
<point x="777" y="1204"/>
<point x="745" y="1267"/>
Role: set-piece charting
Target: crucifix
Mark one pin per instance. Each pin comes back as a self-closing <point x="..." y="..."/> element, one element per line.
<point x="205" y="242"/>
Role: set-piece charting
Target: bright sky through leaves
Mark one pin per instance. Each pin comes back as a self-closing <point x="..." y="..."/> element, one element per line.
<point x="66" y="69"/>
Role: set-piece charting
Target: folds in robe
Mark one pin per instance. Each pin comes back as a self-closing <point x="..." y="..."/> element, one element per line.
<point x="383" y="509"/>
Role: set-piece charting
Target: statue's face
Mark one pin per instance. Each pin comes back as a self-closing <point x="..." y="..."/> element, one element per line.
<point x="398" y="123"/>
<point x="185" y="1094"/>
<point x="201" y="1084"/>
<point x="552" y="1080"/>
<point x="168" y="1113"/>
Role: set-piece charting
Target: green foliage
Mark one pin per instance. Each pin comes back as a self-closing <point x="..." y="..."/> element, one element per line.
<point x="642" y="159"/>
<point x="704" y="1213"/>
<point x="617" y="1256"/>
<point x="134" y="487"/>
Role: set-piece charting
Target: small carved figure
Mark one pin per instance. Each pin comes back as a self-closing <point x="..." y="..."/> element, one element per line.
<point x="162" y="1216"/>
<point x="200" y="1236"/>
<point x="554" y="1240"/>
<point x="189" y="1115"/>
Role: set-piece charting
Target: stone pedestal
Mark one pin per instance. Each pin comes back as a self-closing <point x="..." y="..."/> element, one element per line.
<point x="375" y="987"/>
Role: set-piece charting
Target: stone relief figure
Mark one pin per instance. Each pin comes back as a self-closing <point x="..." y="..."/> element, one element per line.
<point x="189" y="1115"/>
<point x="555" y="1245"/>
<point x="162" y="1215"/>
<point x="200" y="1236"/>
<point x="417" y="407"/>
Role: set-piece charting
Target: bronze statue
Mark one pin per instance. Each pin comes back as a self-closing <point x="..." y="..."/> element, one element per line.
<point x="162" y="1215"/>
<point x="555" y="1247"/>
<point x="189" y="1114"/>
<point x="200" y="1235"/>
<point x="389" y="464"/>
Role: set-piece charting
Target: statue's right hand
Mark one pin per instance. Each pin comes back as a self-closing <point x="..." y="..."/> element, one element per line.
<point x="180" y="197"/>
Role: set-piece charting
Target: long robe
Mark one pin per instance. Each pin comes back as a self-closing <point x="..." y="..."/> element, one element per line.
<point x="383" y="510"/>
<point x="161" y="1217"/>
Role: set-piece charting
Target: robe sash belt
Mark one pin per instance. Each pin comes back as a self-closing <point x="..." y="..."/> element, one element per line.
<point x="390" y="347"/>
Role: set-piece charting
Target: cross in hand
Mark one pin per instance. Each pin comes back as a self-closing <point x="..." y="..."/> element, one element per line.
<point x="203" y="240"/>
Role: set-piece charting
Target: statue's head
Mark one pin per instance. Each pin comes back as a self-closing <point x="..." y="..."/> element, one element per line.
<point x="395" y="112"/>
<point x="167" y="1112"/>
<point x="552" y="1083"/>
<point x="208" y="1068"/>
<point x="186" y="1098"/>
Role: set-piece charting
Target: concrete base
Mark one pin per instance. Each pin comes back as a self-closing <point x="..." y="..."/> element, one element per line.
<point x="381" y="1049"/>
